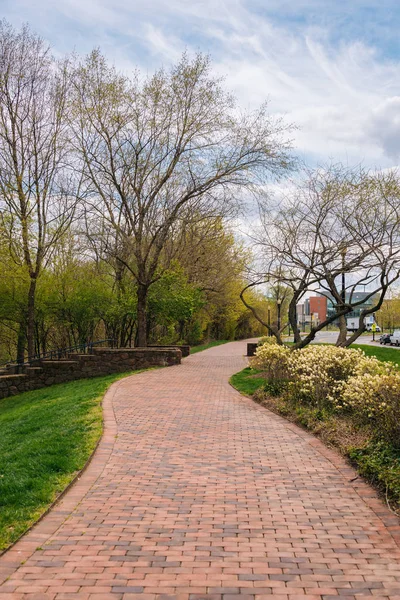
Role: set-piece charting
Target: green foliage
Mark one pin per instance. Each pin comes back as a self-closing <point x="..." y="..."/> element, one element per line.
<point x="47" y="436"/>
<point x="275" y="388"/>
<point x="247" y="382"/>
<point x="14" y="284"/>
<point x="75" y="298"/>
<point x="79" y="299"/>
<point x="380" y="462"/>
<point x="173" y="299"/>
<point x="194" y="332"/>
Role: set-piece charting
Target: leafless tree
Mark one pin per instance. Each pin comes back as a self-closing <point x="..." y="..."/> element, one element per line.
<point x="335" y="232"/>
<point x="35" y="208"/>
<point x="160" y="151"/>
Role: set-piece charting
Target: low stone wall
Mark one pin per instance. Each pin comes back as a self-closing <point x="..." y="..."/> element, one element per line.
<point x="103" y="361"/>
<point x="184" y="348"/>
<point x="122" y="359"/>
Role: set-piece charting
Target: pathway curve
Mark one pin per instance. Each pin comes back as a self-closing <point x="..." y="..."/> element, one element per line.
<point x="197" y="492"/>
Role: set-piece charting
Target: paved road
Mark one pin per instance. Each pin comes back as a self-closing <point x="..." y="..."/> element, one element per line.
<point x="330" y="337"/>
<point x="197" y="492"/>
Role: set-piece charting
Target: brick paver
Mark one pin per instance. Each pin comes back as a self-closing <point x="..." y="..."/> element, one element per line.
<point x="197" y="492"/>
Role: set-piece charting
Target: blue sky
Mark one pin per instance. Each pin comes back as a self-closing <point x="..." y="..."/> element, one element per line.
<point x="330" y="66"/>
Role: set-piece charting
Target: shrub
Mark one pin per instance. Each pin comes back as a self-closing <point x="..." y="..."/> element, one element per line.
<point x="267" y="340"/>
<point x="375" y="399"/>
<point x="339" y="379"/>
<point x="273" y="360"/>
<point x="317" y="372"/>
<point x="275" y="387"/>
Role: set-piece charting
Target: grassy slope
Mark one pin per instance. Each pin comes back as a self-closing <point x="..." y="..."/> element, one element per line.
<point x="201" y="347"/>
<point x="47" y="436"/>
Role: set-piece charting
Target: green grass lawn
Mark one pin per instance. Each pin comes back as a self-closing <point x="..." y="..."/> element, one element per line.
<point x="381" y="352"/>
<point x="201" y="347"/>
<point x="47" y="436"/>
<point x="246" y="382"/>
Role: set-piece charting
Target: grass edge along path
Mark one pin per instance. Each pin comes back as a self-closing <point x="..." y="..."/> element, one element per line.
<point x="201" y="347"/>
<point x="47" y="437"/>
<point x="377" y="461"/>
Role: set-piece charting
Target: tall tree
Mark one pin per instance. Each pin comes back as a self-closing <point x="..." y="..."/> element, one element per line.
<point x="161" y="152"/>
<point x="35" y="208"/>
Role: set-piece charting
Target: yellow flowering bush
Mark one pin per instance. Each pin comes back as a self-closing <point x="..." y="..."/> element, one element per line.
<point x="267" y="340"/>
<point x="273" y="360"/>
<point x="368" y="367"/>
<point x="372" y="366"/>
<point x="375" y="398"/>
<point x="342" y="379"/>
<point x="318" y="372"/>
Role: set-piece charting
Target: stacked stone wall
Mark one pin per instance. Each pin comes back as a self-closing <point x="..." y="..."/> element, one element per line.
<point x="103" y="361"/>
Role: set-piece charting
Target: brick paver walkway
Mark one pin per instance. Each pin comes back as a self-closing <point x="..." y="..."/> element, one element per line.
<point x="196" y="492"/>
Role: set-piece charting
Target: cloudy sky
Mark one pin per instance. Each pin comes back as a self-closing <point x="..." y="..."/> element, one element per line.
<point x="330" y="66"/>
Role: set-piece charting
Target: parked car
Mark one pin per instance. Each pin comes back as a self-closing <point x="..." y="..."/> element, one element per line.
<point x="395" y="338"/>
<point x="385" y="339"/>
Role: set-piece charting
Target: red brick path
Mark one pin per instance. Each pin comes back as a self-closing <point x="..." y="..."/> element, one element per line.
<point x="197" y="492"/>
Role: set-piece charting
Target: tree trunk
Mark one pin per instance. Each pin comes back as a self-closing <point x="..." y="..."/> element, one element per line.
<point x="31" y="317"/>
<point x="21" y="341"/>
<point x="293" y="321"/>
<point x="341" y="341"/>
<point x="142" y="315"/>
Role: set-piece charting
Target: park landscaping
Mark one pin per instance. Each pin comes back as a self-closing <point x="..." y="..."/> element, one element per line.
<point x="47" y="436"/>
<point x="350" y="398"/>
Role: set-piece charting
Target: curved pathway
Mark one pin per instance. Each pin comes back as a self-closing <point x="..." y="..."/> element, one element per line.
<point x="197" y="492"/>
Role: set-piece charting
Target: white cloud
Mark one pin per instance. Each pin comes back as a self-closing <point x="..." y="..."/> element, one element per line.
<point x="384" y="126"/>
<point x="344" y="96"/>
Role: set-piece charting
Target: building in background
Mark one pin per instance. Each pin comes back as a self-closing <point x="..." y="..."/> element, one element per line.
<point x="318" y="308"/>
<point x="364" y="298"/>
<point x="313" y="310"/>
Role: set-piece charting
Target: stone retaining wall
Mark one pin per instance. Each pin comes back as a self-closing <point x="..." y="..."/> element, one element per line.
<point x="184" y="348"/>
<point x="103" y="361"/>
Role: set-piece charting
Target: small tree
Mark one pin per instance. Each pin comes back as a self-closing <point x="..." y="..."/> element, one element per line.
<point x="338" y="230"/>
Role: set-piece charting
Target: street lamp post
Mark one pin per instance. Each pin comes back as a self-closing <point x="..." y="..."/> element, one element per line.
<point x="279" y="315"/>
<point x="343" y="294"/>
<point x="269" y="322"/>
<point x="342" y="319"/>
